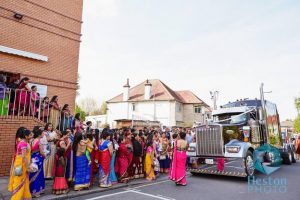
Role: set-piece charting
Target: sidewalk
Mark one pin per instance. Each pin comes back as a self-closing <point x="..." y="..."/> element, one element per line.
<point x="5" y="195"/>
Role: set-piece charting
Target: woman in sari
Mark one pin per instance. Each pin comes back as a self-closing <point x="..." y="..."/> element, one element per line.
<point x="137" y="170"/>
<point x="77" y="124"/>
<point x="33" y="99"/>
<point x="69" y="156"/>
<point x="82" y="167"/>
<point x="122" y="160"/>
<point x="164" y="161"/>
<point x="51" y="137"/>
<point x="23" y="97"/>
<point x="178" y="173"/>
<point x="19" y="173"/>
<point x="149" y="158"/>
<point x="65" y="118"/>
<point x="105" y="152"/>
<point x="37" y="180"/>
<point x="54" y="112"/>
<point x="112" y="173"/>
<point x="44" y="110"/>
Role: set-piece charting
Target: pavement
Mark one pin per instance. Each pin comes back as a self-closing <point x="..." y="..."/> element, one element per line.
<point x="5" y="194"/>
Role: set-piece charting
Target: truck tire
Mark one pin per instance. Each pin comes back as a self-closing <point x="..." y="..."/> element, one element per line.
<point x="249" y="164"/>
<point x="293" y="157"/>
<point x="286" y="158"/>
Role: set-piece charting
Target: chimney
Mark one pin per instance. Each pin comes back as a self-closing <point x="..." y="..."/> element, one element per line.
<point x="126" y="91"/>
<point x="148" y="86"/>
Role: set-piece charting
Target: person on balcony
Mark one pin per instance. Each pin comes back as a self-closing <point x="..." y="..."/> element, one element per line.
<point x="12" y="87"/>
<point x="54" y="112"/>
<point x="3" y="97"/>
<point x="22" y="97"/>
<point x="44" y="110"/>
<point x="33" y="99"/>
<point x="65" y="118"/>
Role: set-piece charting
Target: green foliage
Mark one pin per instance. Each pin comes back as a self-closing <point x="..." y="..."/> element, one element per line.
<point x="82" y="113"/>
<point x="297" y="104"/>
<point x="103" y="109"/>
<point x="297" y="124"/>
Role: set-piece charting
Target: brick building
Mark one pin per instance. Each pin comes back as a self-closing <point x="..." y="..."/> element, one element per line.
<point x="40" y="40"/>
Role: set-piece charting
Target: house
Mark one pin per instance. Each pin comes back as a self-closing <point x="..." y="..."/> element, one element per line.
<point x="153" y="100"/>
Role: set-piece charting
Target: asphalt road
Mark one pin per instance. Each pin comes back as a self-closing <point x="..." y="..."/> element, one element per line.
<point x="285" y="185"/>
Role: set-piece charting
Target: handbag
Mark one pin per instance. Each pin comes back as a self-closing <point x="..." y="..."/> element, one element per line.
<point x="18" y="171"/>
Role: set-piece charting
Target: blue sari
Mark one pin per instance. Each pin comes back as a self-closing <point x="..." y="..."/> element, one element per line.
<point x="37" y="180"/>
<point x="112" y="174"/>
<point x="82" y="173"/>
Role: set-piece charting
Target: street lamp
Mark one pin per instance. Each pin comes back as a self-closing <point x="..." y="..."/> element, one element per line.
<point x="214" y="96"/>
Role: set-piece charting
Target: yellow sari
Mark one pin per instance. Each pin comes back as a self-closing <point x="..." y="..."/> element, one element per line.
<point x="19" y="185"/>
<point x="148" y="167"/>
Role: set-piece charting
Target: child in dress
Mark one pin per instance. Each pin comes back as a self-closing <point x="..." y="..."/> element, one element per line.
<point x="90" y="146"/>
<point x="60" y="185"/>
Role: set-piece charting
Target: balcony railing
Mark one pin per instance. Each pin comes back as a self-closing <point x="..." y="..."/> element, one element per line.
<point x="17" y="102"/>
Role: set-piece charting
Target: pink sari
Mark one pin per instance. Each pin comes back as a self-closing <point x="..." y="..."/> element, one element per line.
<point x="178" y="171"/>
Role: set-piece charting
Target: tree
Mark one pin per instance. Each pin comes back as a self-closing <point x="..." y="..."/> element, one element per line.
<point x="297" y="104"/>
<point x="89" y="105"/>
<point x="82" y="113"/>
<point x="297" y="124"/>
<point x="297" y="120"/>
<point x="103" y="109"/>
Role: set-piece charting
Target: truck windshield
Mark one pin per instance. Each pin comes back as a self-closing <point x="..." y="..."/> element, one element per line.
<point x="231" y="118"/>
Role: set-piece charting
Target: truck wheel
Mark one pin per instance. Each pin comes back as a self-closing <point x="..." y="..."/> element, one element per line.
<point x="249" y="164"/>
<point x="286" y="158"/>
<point x="293" y="157"/>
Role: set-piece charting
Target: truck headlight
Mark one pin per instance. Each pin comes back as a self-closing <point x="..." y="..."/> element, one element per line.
<point x="233" y="149"/>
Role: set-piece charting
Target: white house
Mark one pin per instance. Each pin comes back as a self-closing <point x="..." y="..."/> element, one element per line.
<point x="154" y="101"/>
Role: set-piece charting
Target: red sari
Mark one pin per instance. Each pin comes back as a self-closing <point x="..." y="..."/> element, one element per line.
<point x="123" y="160"/>
<point x="22" y="98"/>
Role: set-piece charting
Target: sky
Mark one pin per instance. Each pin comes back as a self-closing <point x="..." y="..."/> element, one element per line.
<point x="230" y="46"/>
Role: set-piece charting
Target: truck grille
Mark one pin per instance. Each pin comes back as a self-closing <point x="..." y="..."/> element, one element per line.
<point x="209" y="140"/>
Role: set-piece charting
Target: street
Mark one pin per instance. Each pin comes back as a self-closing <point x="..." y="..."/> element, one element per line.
<point x="208" y="187"/>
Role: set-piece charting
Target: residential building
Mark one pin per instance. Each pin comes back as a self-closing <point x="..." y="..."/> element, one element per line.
<point x="153" y="100"/>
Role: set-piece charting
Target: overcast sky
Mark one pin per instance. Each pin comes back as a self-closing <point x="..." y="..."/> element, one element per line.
<point x="230" y="46"/>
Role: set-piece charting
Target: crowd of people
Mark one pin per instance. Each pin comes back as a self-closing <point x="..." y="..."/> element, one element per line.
<point x="18" y="98"/>
<point x="73" y="158"/>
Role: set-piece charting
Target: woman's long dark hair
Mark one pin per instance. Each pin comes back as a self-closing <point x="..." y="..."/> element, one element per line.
<point x="23" y="79"/>
<point x="97" y="136"/>
<point x="47" y="125"/>
<point x="53" y="98"/>
<point x="19" y="134"/>
<point x="77" y="138"/>
<point x="65" y="106"/>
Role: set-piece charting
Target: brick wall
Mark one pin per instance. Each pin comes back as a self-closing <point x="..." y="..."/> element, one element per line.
<point x="51" y="28"/>
<point x="8" y="129"/>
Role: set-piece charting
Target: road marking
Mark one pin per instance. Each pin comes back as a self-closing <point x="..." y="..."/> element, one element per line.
<point x="150" y="195"/>
<point x="108" y="195"/>
<point x="150" y="184"/>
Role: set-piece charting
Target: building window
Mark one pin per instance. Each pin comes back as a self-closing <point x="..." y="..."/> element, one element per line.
<point x="198" y="109"/>
<point x="133" y="107"/>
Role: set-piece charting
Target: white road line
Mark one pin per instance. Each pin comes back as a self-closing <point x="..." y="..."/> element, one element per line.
<point x="108" y="195"/>
<point x="156" y="183"/>
<point x="150" y="195"/>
